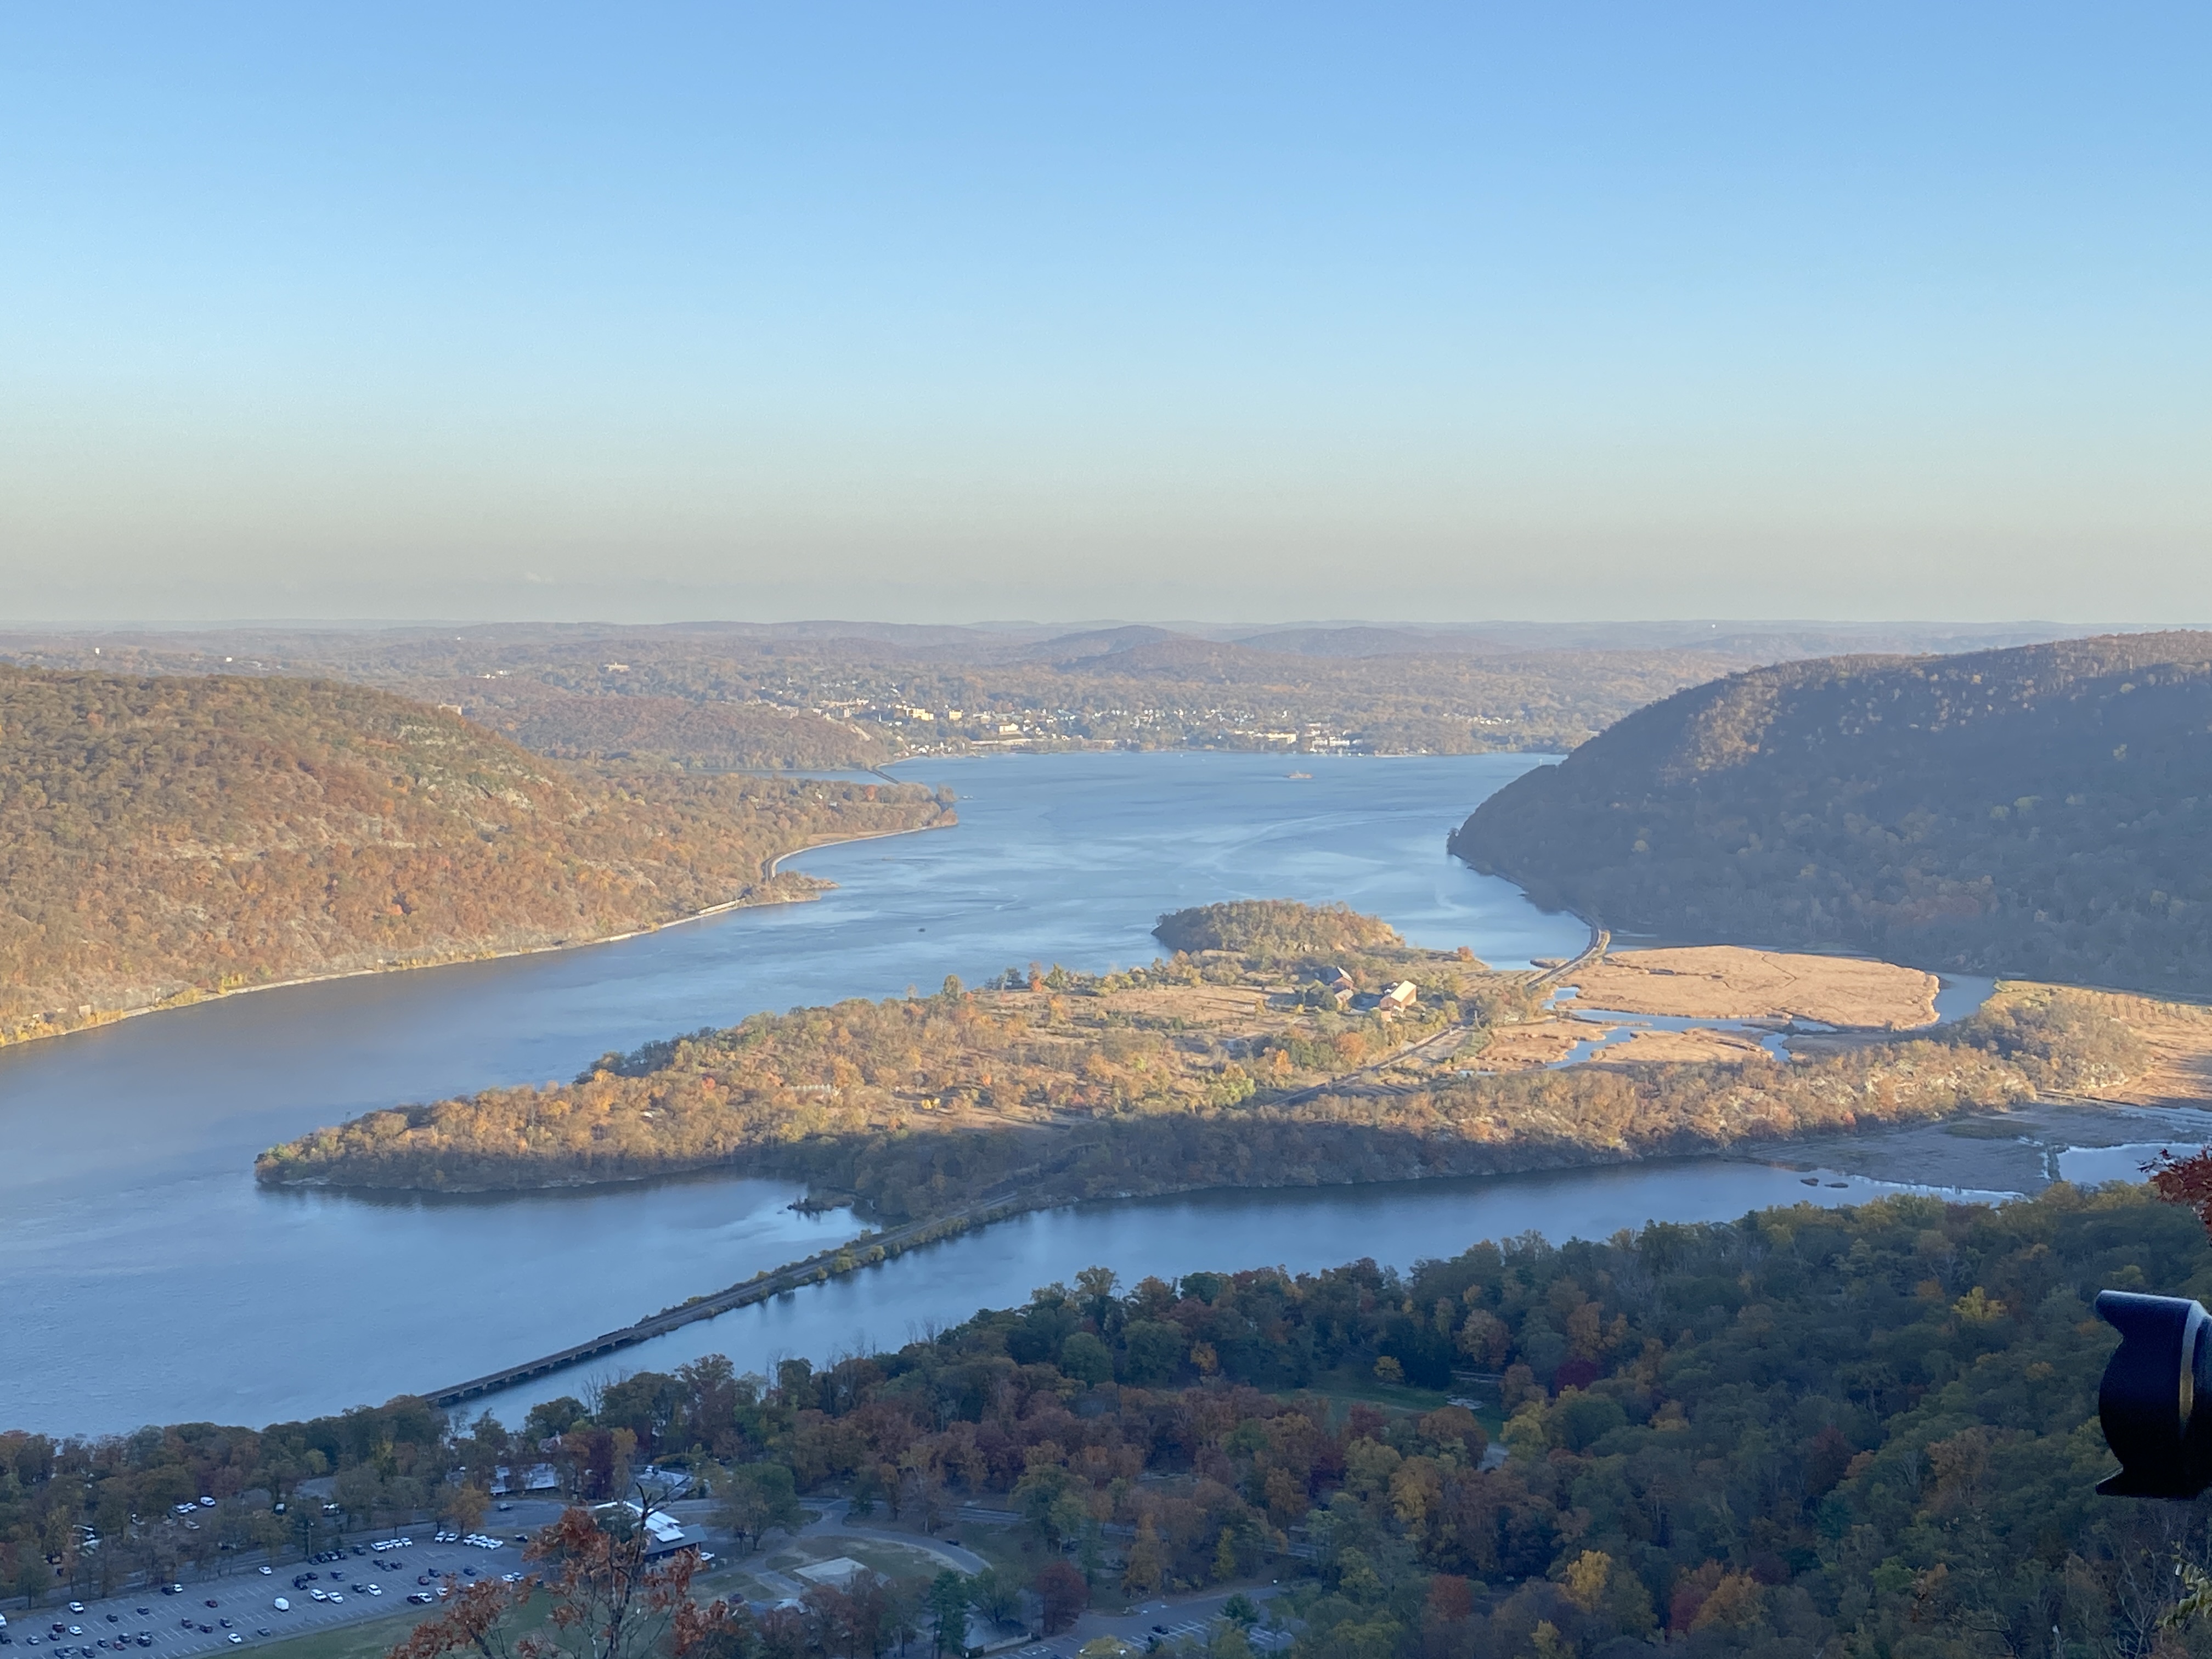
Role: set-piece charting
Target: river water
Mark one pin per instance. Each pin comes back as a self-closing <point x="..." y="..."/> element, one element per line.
<point x="144" y="1278"/>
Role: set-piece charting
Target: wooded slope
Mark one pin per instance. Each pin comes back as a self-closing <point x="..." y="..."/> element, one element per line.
<point x="163" y="837"/>
<point x="2041" y="811"/>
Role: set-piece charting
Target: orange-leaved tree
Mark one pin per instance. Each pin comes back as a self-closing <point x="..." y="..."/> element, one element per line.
<point x="2185" y="1180"/>
<point x="609" y="1601"/>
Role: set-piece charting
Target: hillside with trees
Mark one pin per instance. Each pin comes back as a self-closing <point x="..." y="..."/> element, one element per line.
<point x="689" y="734"/>
<point x="1806" y="1432"/>
<point x="2041" y="811"/>
<point x="165" y="838"/>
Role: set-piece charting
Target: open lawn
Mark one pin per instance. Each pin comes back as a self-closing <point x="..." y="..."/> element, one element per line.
<point x="370" y="1639"/>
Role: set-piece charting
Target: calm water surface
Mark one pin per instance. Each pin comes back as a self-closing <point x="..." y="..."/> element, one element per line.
<point x="1302" y="1230"/>
<point x="144" y="1278"/>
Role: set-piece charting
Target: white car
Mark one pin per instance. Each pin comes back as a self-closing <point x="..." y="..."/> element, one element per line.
<point x="318" y="1595"/>
<point x="281" y="1605"/>
<point x="265" y="1571"/>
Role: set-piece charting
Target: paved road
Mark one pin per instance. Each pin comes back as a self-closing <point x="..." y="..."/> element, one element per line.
<point x="246" y="1599"/>
<point x="834" y="1521"/>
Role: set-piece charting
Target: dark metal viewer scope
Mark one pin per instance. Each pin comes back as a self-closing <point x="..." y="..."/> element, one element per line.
<point x="2155" y="1402"/>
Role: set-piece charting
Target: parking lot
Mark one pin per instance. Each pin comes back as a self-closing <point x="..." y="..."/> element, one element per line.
<point x="240" y="1610"/>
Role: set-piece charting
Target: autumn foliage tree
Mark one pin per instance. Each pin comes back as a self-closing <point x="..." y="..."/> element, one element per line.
<point x="2185" y="1180"/>
<point x="1062" y="1593"/>
<point x="609" y="1601"/>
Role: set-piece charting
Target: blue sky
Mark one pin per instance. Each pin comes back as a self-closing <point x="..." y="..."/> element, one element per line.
<point x="1253" y="312"/>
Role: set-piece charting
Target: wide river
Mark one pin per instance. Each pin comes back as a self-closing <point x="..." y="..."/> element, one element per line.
<point x="144" y="1278"/>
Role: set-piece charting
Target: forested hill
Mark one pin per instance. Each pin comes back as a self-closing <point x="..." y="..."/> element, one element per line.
<point x="164" y="837"/>
<point x="2041" y="811"/>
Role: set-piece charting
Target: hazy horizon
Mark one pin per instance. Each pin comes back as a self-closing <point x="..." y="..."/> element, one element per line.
<point x="1266" y="312"/>
<point x="1779" y="638"/>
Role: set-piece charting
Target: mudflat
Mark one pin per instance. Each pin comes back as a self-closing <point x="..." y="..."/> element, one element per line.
<point x="1727" y="981"/>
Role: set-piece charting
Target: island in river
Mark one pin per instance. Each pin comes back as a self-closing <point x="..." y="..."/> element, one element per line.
<point x="1299" y="1046"/>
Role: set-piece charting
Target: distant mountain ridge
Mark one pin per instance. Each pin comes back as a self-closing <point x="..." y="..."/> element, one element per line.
<point x="161" y="838"/>
<point x="2044" y="811"/>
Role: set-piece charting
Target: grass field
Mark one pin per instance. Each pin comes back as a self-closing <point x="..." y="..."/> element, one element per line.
<point x="370" y="1639"/>
<point x="1341" y="1387"/>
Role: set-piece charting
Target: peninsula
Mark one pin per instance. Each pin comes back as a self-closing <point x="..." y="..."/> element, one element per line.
<point x="1299" y="1046"/>
<point x="166" y="839"/>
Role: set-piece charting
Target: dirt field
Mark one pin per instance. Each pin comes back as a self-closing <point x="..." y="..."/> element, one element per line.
<point x="1527" y="1047"/>
<point x="1679" y="1048"/>
<point x="1209" y="1005"/>
<point x="1725" y="981"/>
<point x="2180" y="1037"/>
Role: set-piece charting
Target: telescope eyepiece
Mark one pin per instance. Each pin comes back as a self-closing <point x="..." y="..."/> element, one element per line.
<point x="2156" y="1402"/>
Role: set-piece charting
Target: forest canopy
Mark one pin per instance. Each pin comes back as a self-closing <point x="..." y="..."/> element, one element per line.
<point x="2041" y="811"/>
<point x="1806" y="1431"/>
<point x="164" y="838"/>
<point x="1273" y="928"/>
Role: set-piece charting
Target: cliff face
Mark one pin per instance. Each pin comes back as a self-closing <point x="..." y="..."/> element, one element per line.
<point x="2043" y="811"/>
<point x="162" y="837"/>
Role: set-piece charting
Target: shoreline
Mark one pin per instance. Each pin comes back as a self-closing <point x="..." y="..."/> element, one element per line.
<point x="875" y="1248"/>
<point x="193" y="998"/>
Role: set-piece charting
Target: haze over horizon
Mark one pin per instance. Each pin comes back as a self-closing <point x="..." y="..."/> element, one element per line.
<point x="1261" y="313"/>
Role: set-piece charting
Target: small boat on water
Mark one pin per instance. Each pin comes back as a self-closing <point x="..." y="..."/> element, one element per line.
<point x="1297" y="774"/>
